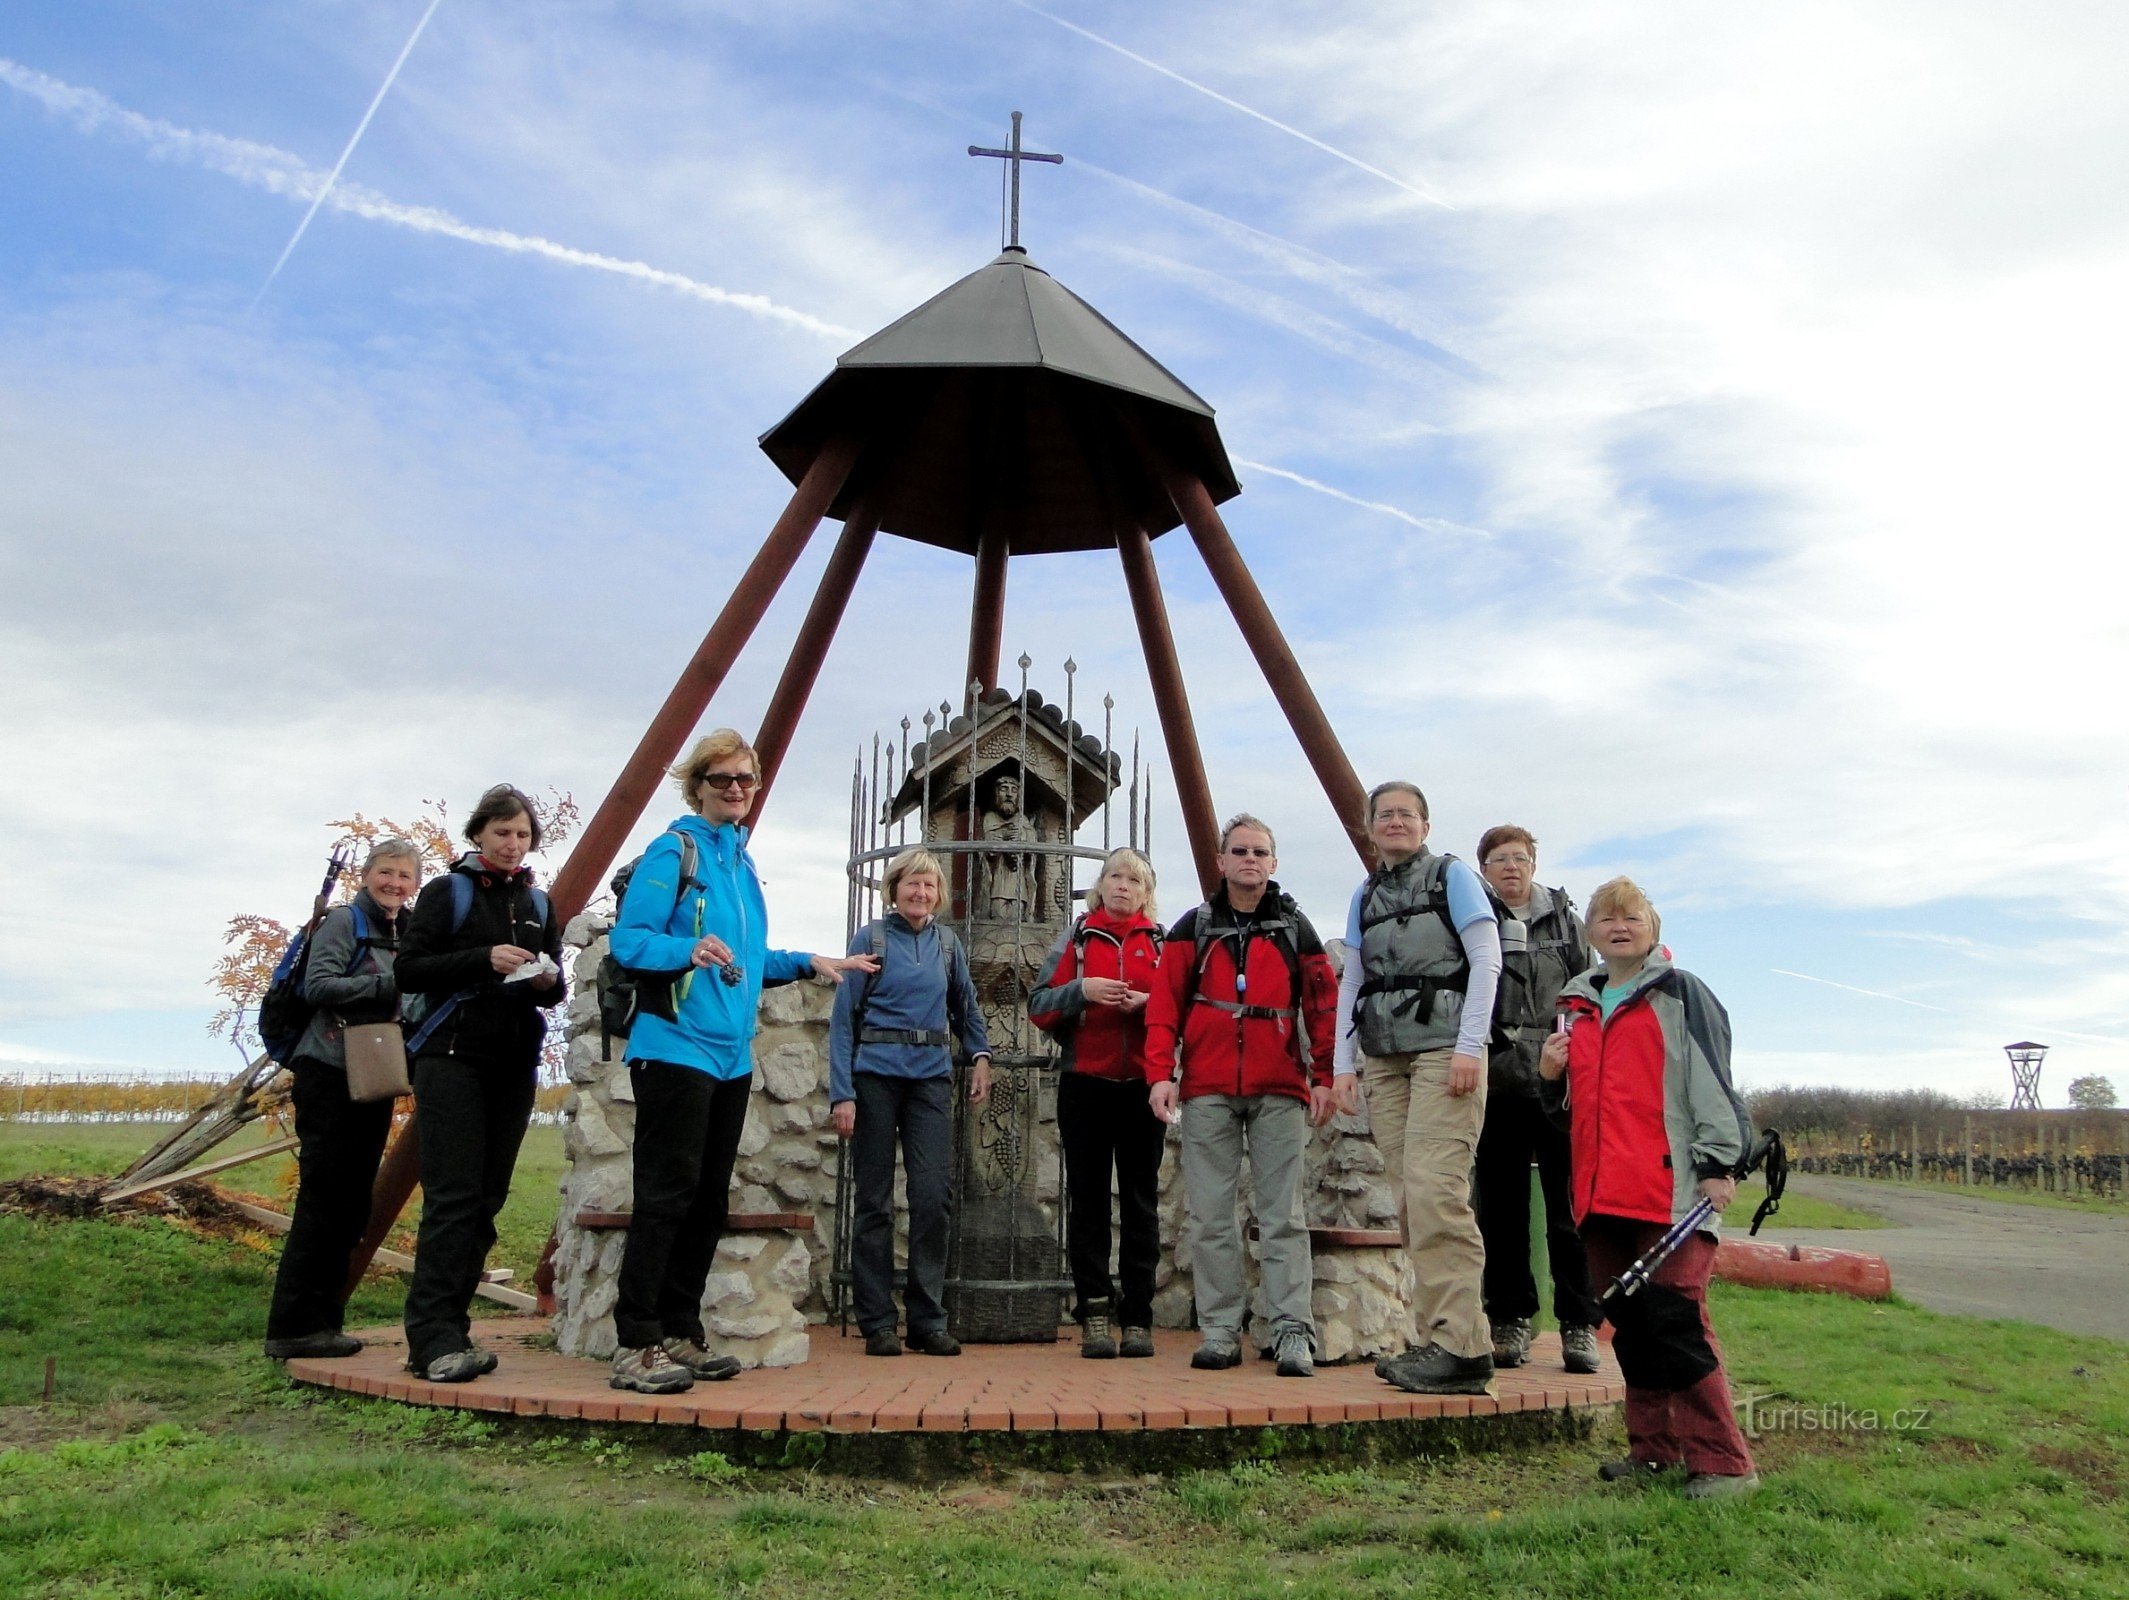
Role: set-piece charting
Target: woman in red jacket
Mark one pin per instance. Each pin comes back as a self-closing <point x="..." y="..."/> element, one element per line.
<point x="1091" y="997"/>
<point x="1654" y="1127"/>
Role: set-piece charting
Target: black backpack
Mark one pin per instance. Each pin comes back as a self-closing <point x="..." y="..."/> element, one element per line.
<point x="625" y="993"/>
<point x="285" y="1011"/>
<point x="1279" y="930"/>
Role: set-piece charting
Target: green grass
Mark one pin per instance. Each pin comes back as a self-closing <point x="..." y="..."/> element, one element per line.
<point x="2011" y="1197"/>
<point x="177" y="1462"/>
<point x="109" y="1147"/>
<point x="1798" y="1210"/>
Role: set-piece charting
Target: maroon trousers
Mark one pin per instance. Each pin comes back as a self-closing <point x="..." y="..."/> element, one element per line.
<point x="1678" y="1405"/>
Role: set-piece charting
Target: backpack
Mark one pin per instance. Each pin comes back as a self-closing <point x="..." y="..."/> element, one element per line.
<point x="284" y="1010"/>
<point x="425" y="1019"/>
<point x="1280" y="930"/>
<point x="625" y="993"/>
<point x="876" y="937"/>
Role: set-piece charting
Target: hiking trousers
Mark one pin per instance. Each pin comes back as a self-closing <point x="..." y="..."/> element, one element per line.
<point x="1272" y="1130"/>
<point x="1516" y="1133"/>
<point x="471" y="1115"/>
<point x="1109" y="1130"/>
<point x="1428" y="1138"/>
<point x="919" y="1114"/>
<point x="340" y="1144"/>
<point x="687" y="1136"/>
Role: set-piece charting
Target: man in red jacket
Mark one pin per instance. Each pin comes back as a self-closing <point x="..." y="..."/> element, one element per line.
<point x="1238" y="1030"/>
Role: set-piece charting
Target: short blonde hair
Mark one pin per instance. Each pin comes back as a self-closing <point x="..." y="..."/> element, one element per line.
<point x="1139" y="868"/>
<point x="719" y="744"/>
<point x="912" y="863"/>
<point x="1623" y="894"/>
<point x="395" y="849"/>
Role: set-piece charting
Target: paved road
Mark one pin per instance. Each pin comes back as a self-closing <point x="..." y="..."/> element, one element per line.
<point x="1984" y="1258"/>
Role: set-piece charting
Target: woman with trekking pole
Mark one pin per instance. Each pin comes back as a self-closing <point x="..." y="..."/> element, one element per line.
<point x="1640" y="1070"/>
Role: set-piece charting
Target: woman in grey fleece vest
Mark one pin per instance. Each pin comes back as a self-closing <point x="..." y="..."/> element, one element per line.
<point x="349" y="979"/>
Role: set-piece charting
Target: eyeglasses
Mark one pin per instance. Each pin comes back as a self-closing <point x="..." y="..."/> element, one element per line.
<point x="1399" y="814"/>
<point x="1247" y="850"/>
<point x="1513" y="858"/>
<point x="721" y="781"/>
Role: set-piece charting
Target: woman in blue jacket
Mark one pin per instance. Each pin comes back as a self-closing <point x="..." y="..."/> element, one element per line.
<point x="690" y="1057"/>
<point x="890" y="1077"/>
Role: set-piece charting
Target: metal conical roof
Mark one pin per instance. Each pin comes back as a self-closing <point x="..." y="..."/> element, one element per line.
<point x="1007" y="403"/>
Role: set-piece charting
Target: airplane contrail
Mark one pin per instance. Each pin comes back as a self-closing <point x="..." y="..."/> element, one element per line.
<point x="263" y="166"/>
<point x="1852" y="989"/>
<point x="1425" y="524"/>
<point x="353" y="139"/>
<point x="1235" y="105"/>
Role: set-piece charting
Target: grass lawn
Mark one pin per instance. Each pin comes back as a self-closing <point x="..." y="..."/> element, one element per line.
<point x="109" y="1147"/>
<point x="2011" y="1197"/>
<point x="1799" y="1210"/>
<point x="176" y="1461"/>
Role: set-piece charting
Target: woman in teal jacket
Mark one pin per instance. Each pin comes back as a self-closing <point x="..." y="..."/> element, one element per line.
<point x="693" y="910"/>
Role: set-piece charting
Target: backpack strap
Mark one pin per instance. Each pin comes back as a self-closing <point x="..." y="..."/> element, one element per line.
<point x="1280" y="931"/>
<point x="876" y="939"/>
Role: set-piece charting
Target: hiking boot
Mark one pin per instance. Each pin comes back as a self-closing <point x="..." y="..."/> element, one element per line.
<point x="1137" y="1342"/>
<point x="1096" y="1342"/>
<point x="456" y="1366"/>
<point x="1295" y="1358"/>
<point x="1511" y="1342"/>
<point x="1632" y="1471"/>
<point x="1383" y="1364"/>
<point x="649" y="1371"/>
<point x="882" y="1342"/>
<point x="934" y="1342"/>
<point x="1578" y="1347"/>
<point x="1720" y="1485"/>
<point x="484" y="1361"/>
<point x="1219" y="1349"/>
<point x="1438" y="1371"/>
<point x="710" y="1369"/>
<point x="325" y="1343"/>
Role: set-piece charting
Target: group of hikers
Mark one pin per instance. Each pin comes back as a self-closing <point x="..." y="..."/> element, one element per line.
<point x="1482" y="1023"/>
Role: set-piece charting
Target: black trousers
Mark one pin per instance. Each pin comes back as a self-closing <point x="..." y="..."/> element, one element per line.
<point x="1107" y="1128"/>
<point x="687" y="1136"/>
<point x="919" y="1114"/>
<point x="336" y="1165"/>
<point x="471" y="1115"/>
<point x="1515" y="1133"/>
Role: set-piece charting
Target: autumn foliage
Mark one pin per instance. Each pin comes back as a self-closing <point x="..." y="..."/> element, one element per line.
<point x="253" y="944"/>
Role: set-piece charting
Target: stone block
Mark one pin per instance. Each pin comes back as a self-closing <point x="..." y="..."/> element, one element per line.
<point x="588" y="1134"/>
<point x="792" y="1272"/>
<point x="754" y="1137"/>
<point x="792" y="1350"/>
<point x="791" y="1071"/>
<point x="724" y="1290"/>
<point x="754" y="1325"/>
<point x="742" y="1246"/>
<point x="620" y="1086"/>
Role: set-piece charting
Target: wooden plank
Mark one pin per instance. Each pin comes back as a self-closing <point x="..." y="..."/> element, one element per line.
<point x="273" y="1147"/>
<point x="488" y="1289"/>
<point x="737" y="1222"/>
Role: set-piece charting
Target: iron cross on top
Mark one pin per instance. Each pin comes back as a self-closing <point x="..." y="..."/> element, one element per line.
<point x="1012" y="156"/>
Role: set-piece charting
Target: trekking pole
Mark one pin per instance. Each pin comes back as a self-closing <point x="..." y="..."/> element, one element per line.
<point x="1769" y="1151"/>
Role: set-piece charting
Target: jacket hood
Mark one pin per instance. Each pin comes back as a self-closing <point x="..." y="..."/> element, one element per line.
<point x="1591" y="985"/>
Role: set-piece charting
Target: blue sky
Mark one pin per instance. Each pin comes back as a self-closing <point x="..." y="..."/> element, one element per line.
<point x="1687" y="431"/>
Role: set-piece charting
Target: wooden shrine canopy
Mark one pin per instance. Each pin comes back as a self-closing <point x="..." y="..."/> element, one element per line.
<point x="1005" y="416"/>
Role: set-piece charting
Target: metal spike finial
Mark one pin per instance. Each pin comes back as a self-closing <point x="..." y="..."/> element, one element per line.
<point x="1071" y="666"/>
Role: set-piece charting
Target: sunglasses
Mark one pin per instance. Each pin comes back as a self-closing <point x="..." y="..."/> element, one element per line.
<point x="1247" y="850"/>
<point x="721" y="781"/>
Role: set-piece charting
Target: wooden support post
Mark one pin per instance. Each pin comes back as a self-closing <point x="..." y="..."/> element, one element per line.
<point x="699" y="681"/>
<point x="398" y="1175"/>
<point x="1966" y="1152"/>
<point x="986" y="622"/>
<point x="810" y="649"/>
<point x="1275" y="659"/>
<point x="206" y="1169"/>
<point x="1172" y="702"/>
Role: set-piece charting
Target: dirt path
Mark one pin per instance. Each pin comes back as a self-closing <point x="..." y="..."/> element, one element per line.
<point x="1983" y="1258"/>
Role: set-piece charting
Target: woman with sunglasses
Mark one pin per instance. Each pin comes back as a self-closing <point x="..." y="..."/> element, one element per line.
<point x="694" y="928"/>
